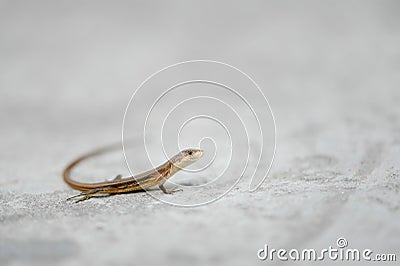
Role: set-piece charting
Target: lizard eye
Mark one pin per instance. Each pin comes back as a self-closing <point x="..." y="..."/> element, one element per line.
<point x="190" y="152"/>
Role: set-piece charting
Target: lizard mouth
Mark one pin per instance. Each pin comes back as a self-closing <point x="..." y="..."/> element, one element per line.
<point x="197" y="154"/>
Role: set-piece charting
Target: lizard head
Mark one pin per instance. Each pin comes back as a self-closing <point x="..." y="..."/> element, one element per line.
<point x="186" y="157"/>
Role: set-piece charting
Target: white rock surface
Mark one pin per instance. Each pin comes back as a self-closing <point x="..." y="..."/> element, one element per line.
<point x="330" y="71"/>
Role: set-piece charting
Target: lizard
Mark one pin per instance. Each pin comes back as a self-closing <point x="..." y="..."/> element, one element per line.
<point x="140" y="182"/>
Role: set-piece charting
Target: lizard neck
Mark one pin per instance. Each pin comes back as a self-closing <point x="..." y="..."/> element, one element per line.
<point x="172" y="169"/>
<point x="167" y="169"/>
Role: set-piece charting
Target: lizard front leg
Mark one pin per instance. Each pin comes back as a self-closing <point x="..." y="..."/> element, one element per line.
<point x="165" y="190"/>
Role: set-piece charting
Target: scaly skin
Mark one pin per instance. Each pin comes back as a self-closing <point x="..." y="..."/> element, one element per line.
<point x="140" y="182"/>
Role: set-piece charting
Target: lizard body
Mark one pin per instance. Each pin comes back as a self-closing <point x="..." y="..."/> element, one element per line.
<point x="157" y="176"/>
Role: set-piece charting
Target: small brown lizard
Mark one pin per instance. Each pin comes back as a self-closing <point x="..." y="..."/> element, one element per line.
<point x="140" y="182"/>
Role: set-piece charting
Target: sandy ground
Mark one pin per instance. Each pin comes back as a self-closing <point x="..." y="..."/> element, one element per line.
<point x="330" y="71"/>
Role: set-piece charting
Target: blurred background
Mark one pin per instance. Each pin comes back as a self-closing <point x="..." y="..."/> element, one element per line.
<point x="330" y="70"/>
